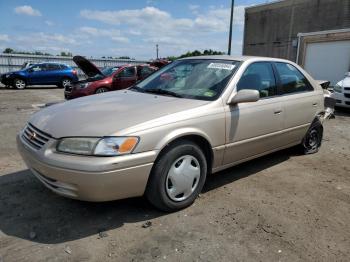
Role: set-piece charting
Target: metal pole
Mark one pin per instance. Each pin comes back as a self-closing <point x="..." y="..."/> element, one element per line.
<point x="157" y="50"/>
<point x="230" y="34"/>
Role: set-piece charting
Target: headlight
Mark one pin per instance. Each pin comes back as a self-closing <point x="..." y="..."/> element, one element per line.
<point x="106" y="146"/>
<point x="84" y="85"/>
<point x="338" y="89"/>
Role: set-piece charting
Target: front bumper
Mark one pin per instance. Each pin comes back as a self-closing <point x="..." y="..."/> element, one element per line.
<point x="89" y="178"/>
<point x="342" y="99"/>
<point x="6" y="81"/>
<point x="75" y="92"/>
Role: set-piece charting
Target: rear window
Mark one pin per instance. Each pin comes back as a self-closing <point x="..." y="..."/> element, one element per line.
<point x="52" y="67"/>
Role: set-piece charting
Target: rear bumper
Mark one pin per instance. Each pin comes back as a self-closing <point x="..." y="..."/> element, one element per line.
<point x="96" y="186"/>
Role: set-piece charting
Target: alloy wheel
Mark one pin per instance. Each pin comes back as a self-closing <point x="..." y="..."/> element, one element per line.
<point x="20" y="84"/>
<point x="66" y="83"/>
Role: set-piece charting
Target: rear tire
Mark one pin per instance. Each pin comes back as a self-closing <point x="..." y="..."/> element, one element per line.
<point x="65" y="82"/>
<point x="177" y="177"/>
<point x="19" y="83"/>
<point x="313" y="138"/>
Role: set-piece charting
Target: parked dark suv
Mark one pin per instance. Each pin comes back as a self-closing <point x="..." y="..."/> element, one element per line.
<point x="41" y="74"/>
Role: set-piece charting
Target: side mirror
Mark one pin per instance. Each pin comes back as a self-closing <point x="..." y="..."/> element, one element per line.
<point x="324" y="84"/>
<point x="244" y="96"/>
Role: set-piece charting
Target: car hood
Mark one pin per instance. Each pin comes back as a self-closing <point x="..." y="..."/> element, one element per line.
<point x="86" y="66"/>
<point x="108" y="114"/>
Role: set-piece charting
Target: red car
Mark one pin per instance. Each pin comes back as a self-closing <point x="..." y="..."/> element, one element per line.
<point x="110" y="78"/>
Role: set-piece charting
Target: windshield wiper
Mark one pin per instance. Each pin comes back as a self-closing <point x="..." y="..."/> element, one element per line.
<point x="162" y="92"/>
<point x="137" y="88"/>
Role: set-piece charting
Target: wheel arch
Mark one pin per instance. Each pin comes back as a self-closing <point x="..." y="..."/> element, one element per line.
<point x="198" y="138"/>
<point x="108" y="88"/>
<point x="97" y="88"/>
<point x="66" y="77"/>
<point x="13" y="78"/>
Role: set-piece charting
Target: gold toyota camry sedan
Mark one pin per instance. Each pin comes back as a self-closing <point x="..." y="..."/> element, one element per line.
<point x="162" y="137"/>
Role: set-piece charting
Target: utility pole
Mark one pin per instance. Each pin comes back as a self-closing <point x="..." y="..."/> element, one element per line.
<point x="157" y="50"/>
<point x="231" y="22"/>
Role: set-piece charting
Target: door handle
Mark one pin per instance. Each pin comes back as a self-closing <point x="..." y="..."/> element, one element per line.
<point x="314" y="104"/>
<point x="277" y="112"/>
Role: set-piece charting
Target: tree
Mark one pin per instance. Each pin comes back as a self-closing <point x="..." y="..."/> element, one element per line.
<point x="196" y="53"/>
<point x="66" y="54"/>
<point x="8" y="51"/>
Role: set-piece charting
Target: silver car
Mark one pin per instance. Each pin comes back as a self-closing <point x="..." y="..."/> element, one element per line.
<point x="164" y="136"/>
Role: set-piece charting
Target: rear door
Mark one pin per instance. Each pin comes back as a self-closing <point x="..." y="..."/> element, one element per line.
<point x="53" y="73"/>
<point x="254" y="128"/>
<point x="300" y="101"/>
<point x="124" y="79"/>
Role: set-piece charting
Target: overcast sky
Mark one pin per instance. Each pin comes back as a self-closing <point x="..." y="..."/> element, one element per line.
<point x="121" y="28"/>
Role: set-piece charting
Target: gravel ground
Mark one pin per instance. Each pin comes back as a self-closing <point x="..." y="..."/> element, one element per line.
<point x="281" y="207"/>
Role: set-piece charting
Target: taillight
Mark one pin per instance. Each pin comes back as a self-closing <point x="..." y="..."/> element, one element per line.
<point x="75" y="72"/>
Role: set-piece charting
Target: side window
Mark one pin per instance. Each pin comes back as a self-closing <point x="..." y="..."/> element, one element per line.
<point x="292" y="80"/>
<point x="38" y="68"/>
<point x="259" y="76"/>
<point x="53" y="67"/>
<point x="127" y="72"/>
<point x="146" y="71"/>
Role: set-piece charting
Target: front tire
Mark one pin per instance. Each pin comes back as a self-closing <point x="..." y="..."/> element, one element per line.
<point x="101" y="90"/>
<point x="313" y="138"/>
<point x="177" y="177"/>
<point x="19" y="83"/>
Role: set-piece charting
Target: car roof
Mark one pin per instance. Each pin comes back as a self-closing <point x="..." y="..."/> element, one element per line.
<point x="52" y="63"/>
<point x="237" y="58"/>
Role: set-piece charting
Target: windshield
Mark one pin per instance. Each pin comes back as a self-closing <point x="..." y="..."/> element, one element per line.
<point x="202" y="79"/>
<point x="109" y="70"/>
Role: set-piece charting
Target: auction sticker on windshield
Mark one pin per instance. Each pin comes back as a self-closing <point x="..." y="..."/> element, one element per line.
<point x="221" y="66"/>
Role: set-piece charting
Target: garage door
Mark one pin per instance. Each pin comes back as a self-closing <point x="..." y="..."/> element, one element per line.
<point x="328" y="60"/>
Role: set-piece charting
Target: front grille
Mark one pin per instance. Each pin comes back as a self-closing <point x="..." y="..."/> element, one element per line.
<point x="347" y="95"/>
<point x="35" y="137"/>
<point x="346" y="88"/>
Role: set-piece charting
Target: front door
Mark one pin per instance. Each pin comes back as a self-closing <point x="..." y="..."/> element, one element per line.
<point x="37" y="75"/>
<point x="254" y="128"/>
<point x="124" y="79"/>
